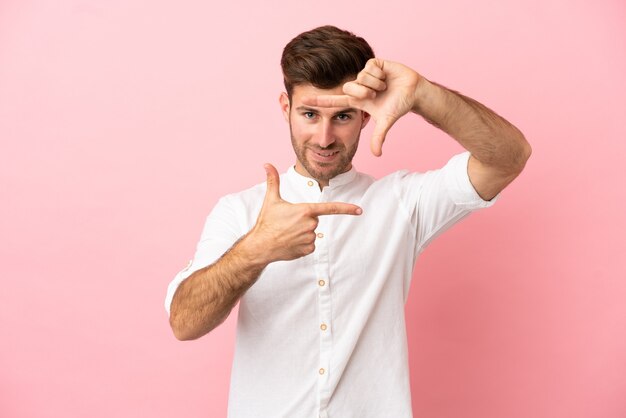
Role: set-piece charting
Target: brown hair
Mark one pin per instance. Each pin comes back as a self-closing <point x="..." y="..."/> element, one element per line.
<point x="324" y="57"/>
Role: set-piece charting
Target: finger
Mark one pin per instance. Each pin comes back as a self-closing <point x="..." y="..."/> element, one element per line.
<point x="376" y="66"/>
<point x="358" y="91"/>
<point x="379" y="135"/>
<point x="371" y="81"/>
<point x="327" y="100"/>
<point x="334" y="208"/>
<point x="273" y="183"/>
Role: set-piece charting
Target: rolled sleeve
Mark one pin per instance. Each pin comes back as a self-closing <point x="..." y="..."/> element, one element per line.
<point x="221" y="230"/>
<point x="459" y="185"/>
<point x="437" y="199"/>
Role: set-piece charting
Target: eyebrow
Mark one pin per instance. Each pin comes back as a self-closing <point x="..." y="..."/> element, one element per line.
<point x="310" y="109"/>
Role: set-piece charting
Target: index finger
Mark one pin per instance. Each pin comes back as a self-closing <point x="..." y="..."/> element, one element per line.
<point x="334" y="208"/>
<point x="328" y="100"/>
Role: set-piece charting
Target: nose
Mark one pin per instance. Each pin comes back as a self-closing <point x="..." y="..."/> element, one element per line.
<point x="325" y="134"/>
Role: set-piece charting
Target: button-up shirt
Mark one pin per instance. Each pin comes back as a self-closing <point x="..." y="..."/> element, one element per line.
<point x="324" y="335"/>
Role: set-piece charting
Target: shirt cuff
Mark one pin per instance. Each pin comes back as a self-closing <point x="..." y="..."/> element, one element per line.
<point x="173" y="286"/>
<point x="461" y="189"/>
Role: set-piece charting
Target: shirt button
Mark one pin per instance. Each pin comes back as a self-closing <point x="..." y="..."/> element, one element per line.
<point x="310" y="183"/>
<point x="321" y="282"/>
<point x="322" y="371"/>
<point x="320" y="235"/>
<point x="323" y="327"/>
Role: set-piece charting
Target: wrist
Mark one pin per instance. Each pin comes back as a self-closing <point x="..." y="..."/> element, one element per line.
<point x="423" y="91"/>
<point x="251" y="249"/>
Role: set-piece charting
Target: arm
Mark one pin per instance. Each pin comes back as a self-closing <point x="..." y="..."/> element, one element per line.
<point x="205" y="299"/>
<point x="498" y="149"/>
<point x="283" y="231"/>
<point x="389" y="90"/>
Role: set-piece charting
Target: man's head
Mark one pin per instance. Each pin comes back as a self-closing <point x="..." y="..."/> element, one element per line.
<point x="319" y="62"/>
<point x="324" y="57"/>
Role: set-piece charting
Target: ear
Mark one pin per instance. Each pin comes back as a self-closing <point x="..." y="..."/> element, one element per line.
<point x="365" y="118"/>
<point x="284" y="105"/>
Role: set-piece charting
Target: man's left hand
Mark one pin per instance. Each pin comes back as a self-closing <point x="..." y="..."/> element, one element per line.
<point x="384" y="89"/>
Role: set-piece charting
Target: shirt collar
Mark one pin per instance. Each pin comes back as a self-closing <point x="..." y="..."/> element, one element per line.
<point x="338" y="180"/>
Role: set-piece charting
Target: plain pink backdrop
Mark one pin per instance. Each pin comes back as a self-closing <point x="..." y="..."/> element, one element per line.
<point x="122" y="122"/>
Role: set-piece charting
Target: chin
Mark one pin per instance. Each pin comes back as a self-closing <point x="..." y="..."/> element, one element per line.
<point x="325" y="172"/>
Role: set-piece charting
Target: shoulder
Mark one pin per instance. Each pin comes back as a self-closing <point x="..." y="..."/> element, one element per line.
<point x="455" y="166"/>
<point x="450" y="181"/>
<point x="250" y="200"/>
<point x="249" y="195"/>
<point x="396" y="179"/>
<point x="244" y="201"/>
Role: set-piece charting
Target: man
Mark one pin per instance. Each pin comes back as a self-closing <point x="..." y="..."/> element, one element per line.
<point x="320" y="258"/>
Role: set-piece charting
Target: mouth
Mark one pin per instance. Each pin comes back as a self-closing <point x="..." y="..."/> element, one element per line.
<point x="324" y="156"/>
<point x="326" y="153"/>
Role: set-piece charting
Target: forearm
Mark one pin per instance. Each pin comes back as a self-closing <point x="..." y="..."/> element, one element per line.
<point x="490" y="138"/>
<point x="205" y="299"/>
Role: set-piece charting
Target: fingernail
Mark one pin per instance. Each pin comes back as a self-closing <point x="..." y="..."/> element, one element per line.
<point x="359" y="211"/>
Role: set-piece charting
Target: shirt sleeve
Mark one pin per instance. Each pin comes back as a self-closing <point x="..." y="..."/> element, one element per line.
<point x="221" y="230"/>
<point x="437" y="199"/>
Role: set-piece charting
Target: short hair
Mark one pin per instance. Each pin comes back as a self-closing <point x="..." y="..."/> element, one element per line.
<point x="324" y="57"/>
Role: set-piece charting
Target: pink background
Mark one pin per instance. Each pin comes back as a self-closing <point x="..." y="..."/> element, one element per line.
<point x="122" y="122"/>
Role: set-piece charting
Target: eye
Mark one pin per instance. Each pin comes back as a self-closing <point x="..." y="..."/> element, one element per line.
<point x="309" y="115"/>
<point x="344" y="116"/>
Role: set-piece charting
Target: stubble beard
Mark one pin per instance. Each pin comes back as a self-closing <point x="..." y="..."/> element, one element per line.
<point x="318" y="170"/>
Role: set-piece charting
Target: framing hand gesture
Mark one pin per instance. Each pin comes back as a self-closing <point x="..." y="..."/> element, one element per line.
<point x="384" y="89"/>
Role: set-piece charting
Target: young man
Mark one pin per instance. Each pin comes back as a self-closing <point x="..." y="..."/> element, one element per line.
<point x="320" y="258"/>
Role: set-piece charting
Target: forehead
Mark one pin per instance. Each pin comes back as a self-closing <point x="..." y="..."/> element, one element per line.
<point x="309" y="89"/>
<point x="301" y="90"/>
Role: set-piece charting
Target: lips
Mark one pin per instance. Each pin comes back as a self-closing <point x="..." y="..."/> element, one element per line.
<point x="326" y="153"/>
<point x="324" y="156"/>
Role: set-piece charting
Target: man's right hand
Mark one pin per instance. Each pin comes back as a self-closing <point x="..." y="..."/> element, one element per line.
<point x="283" y="231"/>
<point x="286" y="231"/>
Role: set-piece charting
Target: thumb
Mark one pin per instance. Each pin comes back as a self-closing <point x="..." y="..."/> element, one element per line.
<point x="380" y="132"/>
<point x="273" y="183"/>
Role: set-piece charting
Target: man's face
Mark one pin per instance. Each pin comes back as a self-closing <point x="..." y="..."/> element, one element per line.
<point x="324" y="139"/>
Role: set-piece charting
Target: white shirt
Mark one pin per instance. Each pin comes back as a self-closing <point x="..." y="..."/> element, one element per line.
<point x="324" y="335"/>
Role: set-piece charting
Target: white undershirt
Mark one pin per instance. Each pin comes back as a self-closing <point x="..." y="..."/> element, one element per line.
<point x="324" y="335"/>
